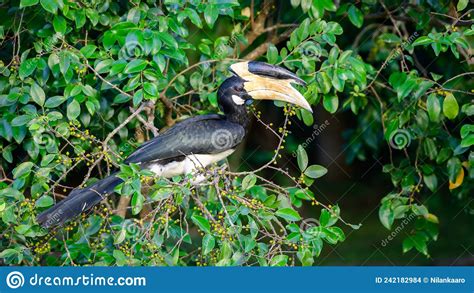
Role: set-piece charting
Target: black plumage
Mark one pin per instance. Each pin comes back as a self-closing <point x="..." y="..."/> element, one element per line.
<point x="78" y="201"/>
<point x="207" y="134"/>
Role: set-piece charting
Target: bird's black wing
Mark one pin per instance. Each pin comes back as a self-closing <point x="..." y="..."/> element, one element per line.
<point x="207" y="134"/>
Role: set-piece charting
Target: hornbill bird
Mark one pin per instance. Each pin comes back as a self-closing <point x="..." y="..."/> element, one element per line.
<point x="195" y="142"/>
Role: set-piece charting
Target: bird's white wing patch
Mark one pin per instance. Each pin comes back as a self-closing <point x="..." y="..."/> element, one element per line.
<point x="188" y="165"/>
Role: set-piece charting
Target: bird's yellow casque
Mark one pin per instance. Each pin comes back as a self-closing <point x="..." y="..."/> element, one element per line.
<point x="265" y="88"/>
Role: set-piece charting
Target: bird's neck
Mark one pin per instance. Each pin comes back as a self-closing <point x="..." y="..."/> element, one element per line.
<point x="238" y="115"/>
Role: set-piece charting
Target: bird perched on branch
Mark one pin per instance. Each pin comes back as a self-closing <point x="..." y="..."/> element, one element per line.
<point x="195" y="142"/>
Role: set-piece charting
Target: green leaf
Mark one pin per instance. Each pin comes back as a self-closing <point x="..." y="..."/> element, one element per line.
<point x="59" y="24"/>
<point x="272" y="54"/>
<point x="162" y="193"/>
<point x="249" y="181"/>
<point x="431" y="181"/>
<point x="194" y="17"/>
<point x="279" y="260"/>
<point x="454" y="167"/>
<point x="88" y="50"/>
<point x="80" y="17"/>
<point x="307" y="116"/>
<point x="327" y="4"/>
<point x="27" y="67"/>
<point x="295" y="3"/>
<point x="355" y="16"/>
<point x="7" y="153"/>
<point x="437" y="47"/>
<point x="55" y="101"/>
<point x="443" y="155"/>
<point x="386" y="214"/>
<point x="208" y="243"/>
<point x="120" y="257"/>
<point x="37" y="94"/>
<point x="338" y="232"/>
<point x="462" y="42"/>
<point x="204" y="49"/>
<point x="21" y="120"/>
<point x="93" y="15"/>
<point x="288" y="214"/>
<point x="151" y="89"/>
<point x="73" y="110"/>
<point x="305" y="5"/>
<point x="22" y="169"/>
<point x="324" y="82"/>
<point x="422" y="41"/>
<point x="406" y="87"/>
<point x="315" y="171"/>
<point x="50" y="5"/>
<point x="27" y="3"/>
<point x="226" y="250"/>
<point x="120" y="236"/>
<point x="420" y="243"/>
<point x="450" y="106"/>
<point x="44" y="201"/>
<point x="249" y="244"/>
<point x="210" y="14"/>
<point x="306" y="257"/>
<point x="302" y="158"/>
<point x="331" y="103"/>
<point x="434" y="107"/>
<point x="304" y="194"/>
<point x="9" y="252"/>
<point x="167" y="39"/>
<point x="89" y="91"/>
<point x="135" y="66"/>
<point x="333" y="54"/>
<point x="324" y="217"/>
<point x="137" y="203"/>
<point x="419" y="210"/>
<point x="202" y="223"/>
<point x="462" y="4"/>
<point x="64" y="62"/>
<point x="407" y="244"/>
<point x="389" y="38"/>
<point x="467" y="141"/>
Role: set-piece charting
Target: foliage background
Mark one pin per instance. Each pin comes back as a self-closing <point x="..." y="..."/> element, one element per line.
<point x="84" y="83"/>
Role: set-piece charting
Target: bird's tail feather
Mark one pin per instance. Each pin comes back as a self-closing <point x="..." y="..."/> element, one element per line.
<point x="78" y="201"/>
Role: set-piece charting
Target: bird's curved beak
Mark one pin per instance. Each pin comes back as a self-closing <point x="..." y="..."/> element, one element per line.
<point x="269" y="82"/>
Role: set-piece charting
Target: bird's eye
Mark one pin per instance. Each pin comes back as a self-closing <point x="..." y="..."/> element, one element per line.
<point x="239" y="88"/>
